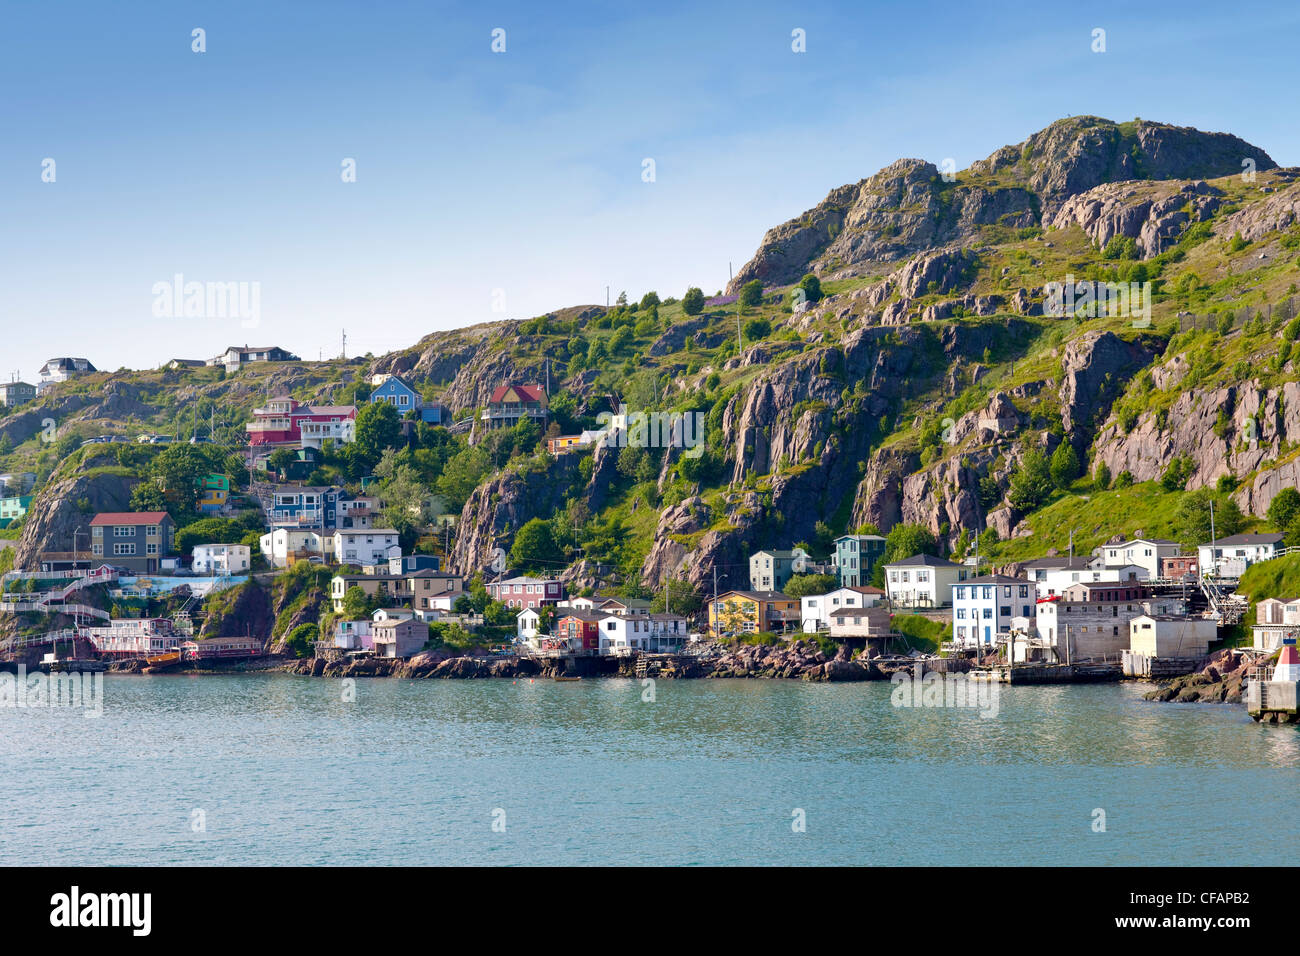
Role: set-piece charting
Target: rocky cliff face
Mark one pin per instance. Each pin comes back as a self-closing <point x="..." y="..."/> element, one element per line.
<point x="65" y="507"/>
<point x="1228" y="431"/>
<point x="909" y="207"/>
<point x="504" y="504"/>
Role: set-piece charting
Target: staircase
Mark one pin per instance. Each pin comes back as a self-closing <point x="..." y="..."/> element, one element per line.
<point x="1227" y="607"/>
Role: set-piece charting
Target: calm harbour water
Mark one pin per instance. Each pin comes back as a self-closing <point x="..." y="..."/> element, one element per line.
<point x="285" y="772"/>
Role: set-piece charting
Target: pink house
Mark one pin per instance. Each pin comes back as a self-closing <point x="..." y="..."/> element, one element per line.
<point x="524" y="592"/>
<point x="283" y="421"/>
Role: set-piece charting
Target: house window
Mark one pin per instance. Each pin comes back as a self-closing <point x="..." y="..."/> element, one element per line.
<point x="121" y="549"/>
<point x="122" y="531"/>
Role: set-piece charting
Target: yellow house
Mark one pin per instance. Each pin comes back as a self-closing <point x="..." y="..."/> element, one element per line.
<point x="215" y="490"/>
<point x="749" y="612"/>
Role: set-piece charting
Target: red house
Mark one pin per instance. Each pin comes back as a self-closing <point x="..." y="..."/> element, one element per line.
<point x="580" y="629"/>
<point x="510" y="403"/>
<point x="520" y="593"/>
<point x="284" y="421"/>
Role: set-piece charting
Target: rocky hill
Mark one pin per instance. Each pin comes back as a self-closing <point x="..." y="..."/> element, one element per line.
<point x="928" y="380"/>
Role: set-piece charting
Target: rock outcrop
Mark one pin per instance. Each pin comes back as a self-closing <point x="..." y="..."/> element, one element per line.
<point x="66" y="507"/>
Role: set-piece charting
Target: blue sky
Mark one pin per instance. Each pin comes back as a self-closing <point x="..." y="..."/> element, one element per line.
<point x="486" y="177"/>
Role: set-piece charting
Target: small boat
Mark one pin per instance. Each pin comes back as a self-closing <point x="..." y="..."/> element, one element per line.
<point x="562" y="677"/>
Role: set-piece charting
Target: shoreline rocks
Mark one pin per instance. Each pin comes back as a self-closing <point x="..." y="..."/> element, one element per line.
<point x="1218" y="682"/>
<point x="799" y="660"/>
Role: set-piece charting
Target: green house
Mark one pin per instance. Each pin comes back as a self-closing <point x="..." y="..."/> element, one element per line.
<point x="855" y="557"/>
<point x="11" y="509"/>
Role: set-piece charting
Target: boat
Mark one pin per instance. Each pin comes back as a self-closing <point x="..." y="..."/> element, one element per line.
<point x="161" y="662"/>
<point x="562" y="677"/>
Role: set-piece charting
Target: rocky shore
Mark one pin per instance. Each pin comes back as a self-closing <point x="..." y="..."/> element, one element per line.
<point x="1218" y="682"/>
<point x="800" y="660"/>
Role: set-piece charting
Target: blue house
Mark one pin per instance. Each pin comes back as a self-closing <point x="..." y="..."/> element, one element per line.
<point x="404" y="398"/>
<point x="305" y="507"/>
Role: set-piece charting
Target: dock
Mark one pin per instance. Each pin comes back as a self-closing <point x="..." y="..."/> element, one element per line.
<point x="1084" y="672"/>
<point x="1272" y="692"/>
<point x="1159" y="668"/>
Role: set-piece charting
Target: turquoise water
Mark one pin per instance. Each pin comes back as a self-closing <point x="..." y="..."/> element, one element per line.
<point x="281" y="770"/>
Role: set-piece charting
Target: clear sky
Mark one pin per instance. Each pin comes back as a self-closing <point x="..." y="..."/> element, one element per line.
<point x="516" y="178"/>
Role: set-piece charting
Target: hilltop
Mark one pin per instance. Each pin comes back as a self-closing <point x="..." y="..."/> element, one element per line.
<point x="915" y="380"/>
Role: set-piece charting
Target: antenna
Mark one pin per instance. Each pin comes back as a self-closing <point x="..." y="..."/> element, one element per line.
<point x="345" y="343"/>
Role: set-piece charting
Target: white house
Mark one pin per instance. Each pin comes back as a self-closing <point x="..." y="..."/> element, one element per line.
<point x="1052" y="576"/>
<point x="527" y="623"/>
<point x="816" y="609"/>
<point x="340" y="430"/>
<point x="1162" y="636"/>
<point x="922" y="581"/>
<point x="392" y="614"/>
<point x="220" y="558"/>
<point x="62" y="369"/>
<point x="869" y="622"/>
<point x="625" y="607"/>
<point x="1230" y="557"/>
<point x="1092" y="620"/>
<point x="652" y="633"/>
<point x="352" y="635"/>
<point x="1275" y="621"/>
<point x="1146" y="553"/>
<point x="365" y="546"/>
<point x="984" y="607"/>
<point x="283" y="546"/>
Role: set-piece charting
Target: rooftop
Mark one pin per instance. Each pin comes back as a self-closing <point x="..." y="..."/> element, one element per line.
<point x="1272" y="538"/>
<point x="923" y="560"/>
<point x="128" y="518"/>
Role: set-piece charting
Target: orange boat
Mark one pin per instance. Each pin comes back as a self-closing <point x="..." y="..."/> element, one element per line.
<point x="161" y="662"/>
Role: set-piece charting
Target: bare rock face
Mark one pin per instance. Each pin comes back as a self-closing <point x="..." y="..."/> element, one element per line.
<point x="1076" y="154"/>
<point x="668" y="554"/>
<point x="1279" y="211"/>
<point x="940" y="272"/>
<point x="1224" y="431"/>
<point x="501" y="506"/>
<point x="1153" y="215"/>
<point x="908" y="208"/>
<point x="250" y="613"/>
<point x="65" y="507"/>
<point x="1092" y="369"/>
<point x="879" y="498"/>
<point x="31" y="421"/>
<point x="765" y="425"/>
<point x="945" y="495"/>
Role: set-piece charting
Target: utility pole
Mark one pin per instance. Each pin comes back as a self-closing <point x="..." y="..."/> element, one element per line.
<point x="345" y="343"/>
<point x="714" y="608"/>
<point x="1214" y="560"/>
